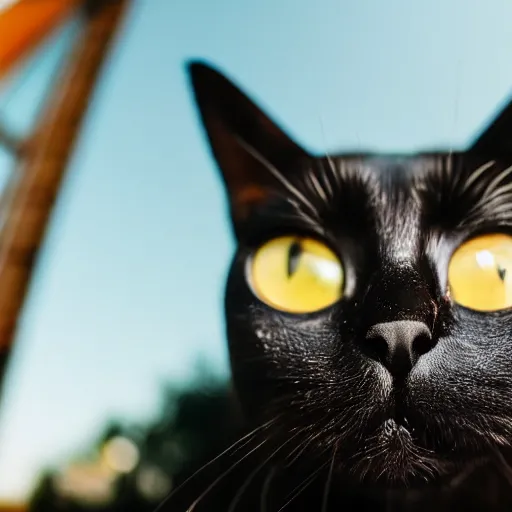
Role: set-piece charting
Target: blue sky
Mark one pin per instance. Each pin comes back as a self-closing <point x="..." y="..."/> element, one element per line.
<point x="128" y="290"/>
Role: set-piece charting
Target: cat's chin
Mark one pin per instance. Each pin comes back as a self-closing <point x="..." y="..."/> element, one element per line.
<point x="396" y="459"/>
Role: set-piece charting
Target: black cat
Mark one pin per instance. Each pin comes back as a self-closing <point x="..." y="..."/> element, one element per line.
<point x="369" y="312"/>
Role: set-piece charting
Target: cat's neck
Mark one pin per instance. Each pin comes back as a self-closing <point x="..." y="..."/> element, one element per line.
<point x="483" y="488"/>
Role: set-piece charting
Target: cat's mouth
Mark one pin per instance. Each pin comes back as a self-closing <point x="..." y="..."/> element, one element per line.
<point x="399" y="414"/>
<point x="411" y="451"/>
<point x="396" y="436"/>
<point x="392" y="426"/>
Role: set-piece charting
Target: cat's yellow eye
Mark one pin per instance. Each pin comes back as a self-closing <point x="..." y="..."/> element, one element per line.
<point x="296" y="274"/>
<point x="480" y="273"/>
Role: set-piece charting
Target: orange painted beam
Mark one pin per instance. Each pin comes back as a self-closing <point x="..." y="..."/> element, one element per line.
<point x="25" y="24"/>
<point x="12" y="507"/>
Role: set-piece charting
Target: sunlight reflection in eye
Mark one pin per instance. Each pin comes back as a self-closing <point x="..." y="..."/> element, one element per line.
<point x="327" y="270"/>
<point x="485" y="259"/>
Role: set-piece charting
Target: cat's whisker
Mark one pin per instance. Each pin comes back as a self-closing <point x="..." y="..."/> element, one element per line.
<point x="297" y="218"/>
<point x="302" y="486"/>
<point x="504" y="201"/>
<point x="317" y="187"/>
<point x="252" y="475"/>
<point x="222" y="476"/>
<point x="327" y="488"/>
<point x="331" y="163"/>
<point x="503" y="190"/>
<point x="497" y="199"/>
<point x="324" y="175"/>
<point x="237" y="445"/>
<point x="299" y="215"/>
<point x="300" y="449"/>
<point x="266" y="489"/>
<point x="503" y="465"/>
<point x="278" y="175"/>
<point x="496" y="181"/>
<point x="476" y="174"/>
<point x="339" y="172"/>
<point x="332" y="167"/>
<point x="499" y="204"/>
<point x="326" y="191"/>
<point x="449" y="163"/>
<point x="503" y="421"/>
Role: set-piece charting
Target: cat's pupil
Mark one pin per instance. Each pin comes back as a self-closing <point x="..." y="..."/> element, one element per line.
<point x="502" y="272"/>
<point x="294" y="254"/>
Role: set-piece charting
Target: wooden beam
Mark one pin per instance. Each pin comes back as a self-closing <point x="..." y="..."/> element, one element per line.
<point x="25" y="24"/>
<point x="44" y="162"/>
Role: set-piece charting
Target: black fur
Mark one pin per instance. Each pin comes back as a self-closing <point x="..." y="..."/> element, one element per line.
<point x="377" y="439"/>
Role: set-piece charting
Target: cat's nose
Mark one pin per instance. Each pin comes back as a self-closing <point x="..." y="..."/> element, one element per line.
<point x="399" y="344"/>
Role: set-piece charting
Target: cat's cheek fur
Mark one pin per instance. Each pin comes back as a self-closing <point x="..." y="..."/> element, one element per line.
<point x="309" y="373"/>
<point x="297" y="373"/>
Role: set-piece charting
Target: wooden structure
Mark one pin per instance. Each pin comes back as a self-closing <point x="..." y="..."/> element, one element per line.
<point x="42" y="158"/>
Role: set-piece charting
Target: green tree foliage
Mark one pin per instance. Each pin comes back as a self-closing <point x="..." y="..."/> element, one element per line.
<point x="191" y="427"/>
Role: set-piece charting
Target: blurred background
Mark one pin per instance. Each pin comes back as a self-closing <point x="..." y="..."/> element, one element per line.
<point x="118" y="376"/>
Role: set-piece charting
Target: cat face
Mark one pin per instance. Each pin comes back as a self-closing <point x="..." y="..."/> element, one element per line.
<point x="369" y="302"/>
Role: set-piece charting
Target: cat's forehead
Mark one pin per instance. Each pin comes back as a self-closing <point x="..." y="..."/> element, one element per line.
<point x="388" y="197"/>
<point x="404" y="198"/>
<point x="395" y="169"/>
<point x="426" y="172"/>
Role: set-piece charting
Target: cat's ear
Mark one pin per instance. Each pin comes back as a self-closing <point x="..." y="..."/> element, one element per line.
<point x="496" y="139"/>
<point x="250" y="149"/>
